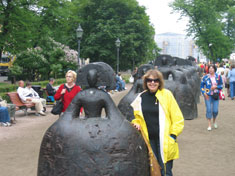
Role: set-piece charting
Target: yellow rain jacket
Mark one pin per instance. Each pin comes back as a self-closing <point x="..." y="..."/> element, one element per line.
<point x="171" y="121"/>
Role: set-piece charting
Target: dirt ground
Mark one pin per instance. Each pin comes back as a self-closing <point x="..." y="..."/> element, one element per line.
<point x="202" y="153"/>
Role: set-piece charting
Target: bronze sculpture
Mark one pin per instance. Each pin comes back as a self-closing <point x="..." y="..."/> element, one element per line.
<point x="93" y="145"/>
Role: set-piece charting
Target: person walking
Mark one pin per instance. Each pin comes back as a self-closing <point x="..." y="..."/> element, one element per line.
<point x="68" y="90"/>
<point x="220" y="69"/>
<point x="160" y="119"/>
<point x="226" y="71"/>
<point x="211" y="84"/>
<point x="231" y="77"/>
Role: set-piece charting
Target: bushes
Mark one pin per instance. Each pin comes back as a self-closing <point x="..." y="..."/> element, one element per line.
<point x="126" y="77"/>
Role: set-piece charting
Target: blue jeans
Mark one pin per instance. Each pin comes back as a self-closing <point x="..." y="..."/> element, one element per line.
<point x="232" y="89"/>
<point x="169" y="165"/>
<point x="212" y="107"/>
<point x="123" y="84"/>
<point x="4" y="115"/>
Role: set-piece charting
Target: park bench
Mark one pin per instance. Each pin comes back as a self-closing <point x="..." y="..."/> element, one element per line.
<point x="15" y="99"/>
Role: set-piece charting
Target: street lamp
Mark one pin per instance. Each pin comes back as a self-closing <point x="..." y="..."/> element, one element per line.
<point x="210" y="50"/>
<point x="79" y="32"/>
<point x="117" y="43"/>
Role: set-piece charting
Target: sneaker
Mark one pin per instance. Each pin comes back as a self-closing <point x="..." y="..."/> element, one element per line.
<point x="8" y="124"/>
<point x="215" y="125"/>
<point x="209" y="128"/>
<point x="4" y="124"/>
<point x="42" y="113"/>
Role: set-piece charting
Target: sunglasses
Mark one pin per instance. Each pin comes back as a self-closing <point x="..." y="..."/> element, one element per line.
<point x="153" y="80"/>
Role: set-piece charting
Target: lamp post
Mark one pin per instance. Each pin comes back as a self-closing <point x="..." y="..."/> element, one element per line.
<point x="211" y="52"/>
<point x="117" y="43"/>
<point x="79" y="32"/>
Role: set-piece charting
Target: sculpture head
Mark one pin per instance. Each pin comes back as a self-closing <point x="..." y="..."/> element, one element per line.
<point x="92" y="77"/>
<point x="164" y="60"/>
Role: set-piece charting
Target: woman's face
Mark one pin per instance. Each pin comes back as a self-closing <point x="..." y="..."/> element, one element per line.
<point x="69" y="78"/>
<point x="211" y="70"/>
<point x="152" y="83"/>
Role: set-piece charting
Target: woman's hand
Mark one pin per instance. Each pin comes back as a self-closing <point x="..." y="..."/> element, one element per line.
<point x="206" y="96"/>
<point x="63" y="91"/>
<point x="213" y="87"/>
<point x="137" y="126"/>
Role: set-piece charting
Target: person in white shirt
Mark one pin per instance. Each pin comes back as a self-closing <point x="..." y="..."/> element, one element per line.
<point x="220" y="69"/>
<point x="27" y="94"/>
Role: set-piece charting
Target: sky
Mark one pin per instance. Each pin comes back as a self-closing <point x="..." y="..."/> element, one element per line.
<point x="161" y="17"/>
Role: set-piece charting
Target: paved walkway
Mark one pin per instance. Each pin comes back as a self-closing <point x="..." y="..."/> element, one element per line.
<point x="202" y="153"/>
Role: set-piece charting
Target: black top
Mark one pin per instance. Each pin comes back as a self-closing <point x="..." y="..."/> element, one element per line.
<point x="150" y="109"/>
<point x="68" y="89"/>
<point x="50" y="90"/>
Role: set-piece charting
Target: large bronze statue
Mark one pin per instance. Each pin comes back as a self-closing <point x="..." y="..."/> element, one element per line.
<point x="93" y="145"/>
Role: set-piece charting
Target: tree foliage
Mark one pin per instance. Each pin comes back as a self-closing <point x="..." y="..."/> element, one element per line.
<point x="18" y="24"/>
<point x="50" y="59"/>
<point x="207" y="24"/>
<point x="105" y="21"/>
<point x="33" y="24"/>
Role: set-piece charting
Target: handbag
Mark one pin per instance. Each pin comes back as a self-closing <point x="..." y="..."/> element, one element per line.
<point x="131" y="79"/>
<point x="58" y="107"/>
<point x="221" y="95"/>
<point x="154" y="166"/>
<point x="215" y="95"/>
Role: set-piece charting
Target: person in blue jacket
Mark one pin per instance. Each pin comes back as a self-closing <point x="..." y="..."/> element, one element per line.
<point x="231" y="77"/>
<point x="211" y="84"/>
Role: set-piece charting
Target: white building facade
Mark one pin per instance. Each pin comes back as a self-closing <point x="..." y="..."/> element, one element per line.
<point x="178" y="45"/>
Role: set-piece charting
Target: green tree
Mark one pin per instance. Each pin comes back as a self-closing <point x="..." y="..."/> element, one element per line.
<point x="33" y="23"/>
<point x="229" y="24"/>
<point x="105" y="21"/>
<point x="40" y="63"/>
<point x="18" y="23"/>
<point x="206" y="25"/>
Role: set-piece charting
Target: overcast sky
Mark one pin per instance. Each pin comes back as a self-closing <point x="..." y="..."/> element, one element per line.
<point x="161" y="17"/>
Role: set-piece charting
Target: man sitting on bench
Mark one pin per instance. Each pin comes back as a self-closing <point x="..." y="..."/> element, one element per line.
<point x="27" y="94"/>
<point x="50" y="90"/>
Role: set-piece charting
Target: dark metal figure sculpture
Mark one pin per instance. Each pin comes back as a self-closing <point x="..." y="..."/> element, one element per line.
<point x="92" y="145"/>
<point x="164" y="60"/>
<point x="183" y="80"/>
<point x="124" y="104"/>
<point x="105" y="75"/>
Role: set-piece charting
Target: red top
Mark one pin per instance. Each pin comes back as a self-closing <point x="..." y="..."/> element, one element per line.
<point x="68" y="96"/>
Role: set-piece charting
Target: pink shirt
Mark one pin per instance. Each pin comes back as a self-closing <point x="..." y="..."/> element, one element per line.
<point x="213" y="81"/>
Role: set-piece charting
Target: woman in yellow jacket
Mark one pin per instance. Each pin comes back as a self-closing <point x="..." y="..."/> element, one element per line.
<point x="160" y="119"/>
